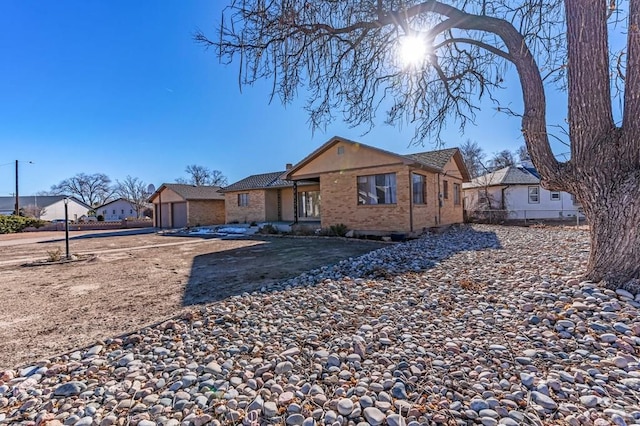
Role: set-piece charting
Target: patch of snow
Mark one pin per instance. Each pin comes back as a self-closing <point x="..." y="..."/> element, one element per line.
<point x="202" y="231"/>
<point x="231" y="230"/>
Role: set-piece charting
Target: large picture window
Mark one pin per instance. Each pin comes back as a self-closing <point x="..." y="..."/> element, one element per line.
<point x="309" y="202"/>
<point x="419" y="189"/>
<point x="377" y="189"/>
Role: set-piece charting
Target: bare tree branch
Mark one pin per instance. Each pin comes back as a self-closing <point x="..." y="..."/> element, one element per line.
<point x="93" y="190"/>
<point x="135" y="191"/>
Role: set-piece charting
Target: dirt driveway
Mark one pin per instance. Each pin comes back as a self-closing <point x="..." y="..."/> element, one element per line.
<point x="134" y="280"/>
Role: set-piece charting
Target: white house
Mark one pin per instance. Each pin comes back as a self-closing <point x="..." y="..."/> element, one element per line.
<point x="45" y="207"/>
<point x="516" y="191"/>
<point x="117" y="210"/>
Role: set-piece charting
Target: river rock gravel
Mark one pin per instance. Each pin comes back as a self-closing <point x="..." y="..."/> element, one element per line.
<point x="477" y="325"/>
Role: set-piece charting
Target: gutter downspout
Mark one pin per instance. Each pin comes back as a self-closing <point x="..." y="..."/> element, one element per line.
<point x="295" y="202"/>
<point x="159" y="218"/>
<point x="439" y="220"/>
<point x="410" y="201"/>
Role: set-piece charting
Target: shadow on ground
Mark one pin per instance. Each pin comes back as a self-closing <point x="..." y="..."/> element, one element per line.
<point x="219" y="275"/>
<point x="117" y="233"/>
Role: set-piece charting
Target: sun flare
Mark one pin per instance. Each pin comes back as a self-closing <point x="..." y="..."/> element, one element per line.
<point x="413" y="51"/>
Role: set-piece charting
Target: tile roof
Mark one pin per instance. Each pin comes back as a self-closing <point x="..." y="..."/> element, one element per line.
<point x="264" y="180"/>
<point x="434" y="159"/>
<point x="192" y="192"/>
<point x="511" y="175"/>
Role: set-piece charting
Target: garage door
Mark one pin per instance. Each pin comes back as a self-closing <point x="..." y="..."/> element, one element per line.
<point x="179" y="214"/>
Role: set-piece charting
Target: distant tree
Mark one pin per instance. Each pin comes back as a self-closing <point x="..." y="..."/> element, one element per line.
<point x="33" y="211"/>
<point x="93" y="190"/>
<point x="203" y="176"/>
<point x="523" y="153"/>
<point x="473" y="156"/>
<point x="135" y="191"/>
<point x="502" y="159"/>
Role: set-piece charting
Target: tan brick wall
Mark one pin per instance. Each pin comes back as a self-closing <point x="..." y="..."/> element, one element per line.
<point x="426" y="215"/>
<point x="340" y="202"/>
<point x="254" y="212"/>
<point x="206" y="212"/>
<point x="339" y="193"/>
<point x="451" y="212"/>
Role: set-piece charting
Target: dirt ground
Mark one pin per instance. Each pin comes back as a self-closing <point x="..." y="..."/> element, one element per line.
<point x="133" y="281"/>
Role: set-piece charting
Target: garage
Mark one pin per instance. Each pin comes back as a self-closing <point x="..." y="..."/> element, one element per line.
<point x="178" y="206"/>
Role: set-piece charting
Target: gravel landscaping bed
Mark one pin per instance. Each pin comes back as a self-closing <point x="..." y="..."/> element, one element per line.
<point x="479" y="325"/>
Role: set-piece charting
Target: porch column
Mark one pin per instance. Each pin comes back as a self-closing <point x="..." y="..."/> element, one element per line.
<point x="295" y="202"/>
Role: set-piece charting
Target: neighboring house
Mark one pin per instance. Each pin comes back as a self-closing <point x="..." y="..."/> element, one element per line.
<point x="516" y="190"/>
<point x="117" y="210"/>
<point x="375" y="191"/>
<point x="177" y="205"/>
<point x="268" y="198"/>
<point x="45" y="207"/>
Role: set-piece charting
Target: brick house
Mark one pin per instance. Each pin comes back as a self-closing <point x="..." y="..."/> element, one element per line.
<point x="268" y="198"/>
<point x="375" y="191"/>
<point x="177" y="206"/>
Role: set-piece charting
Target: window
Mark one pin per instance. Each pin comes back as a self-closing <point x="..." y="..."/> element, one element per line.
<point x="555" y="196"/>
<point x="114" y="211"/>
<point x="309" y="202"/>
<point x="243" y="200"/>
<point x="340" y="150"/>
<point x="377" y="189"/>
<point x="121" y="211"/>
<point x="534" y="194"/>
<point x="445" y="189"/>
<point x="104" y="212"/>
<point x="131" y="211"/>
<point x="419" y="189"/>
<point x="456" y="194"/>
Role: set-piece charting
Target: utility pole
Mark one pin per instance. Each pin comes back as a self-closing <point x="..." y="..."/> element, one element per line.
<point x="17" y="199"/>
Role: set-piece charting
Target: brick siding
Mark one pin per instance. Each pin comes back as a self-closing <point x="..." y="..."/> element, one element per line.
<point x="254" y="212"/>
<point x="206" y="212"/>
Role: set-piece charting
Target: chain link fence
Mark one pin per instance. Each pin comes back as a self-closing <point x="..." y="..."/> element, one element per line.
<point x="526" y="217"/>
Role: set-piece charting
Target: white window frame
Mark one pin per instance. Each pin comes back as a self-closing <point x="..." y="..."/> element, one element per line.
<point x="534" y="194"/>
<point x="371" y="188"/>
<point x="555" y="195"/>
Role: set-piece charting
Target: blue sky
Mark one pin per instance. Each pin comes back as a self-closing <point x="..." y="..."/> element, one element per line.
<point x="120" y="88"/>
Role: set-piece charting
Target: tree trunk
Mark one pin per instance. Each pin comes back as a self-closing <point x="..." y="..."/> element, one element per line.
<point x="612" y="209"/>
